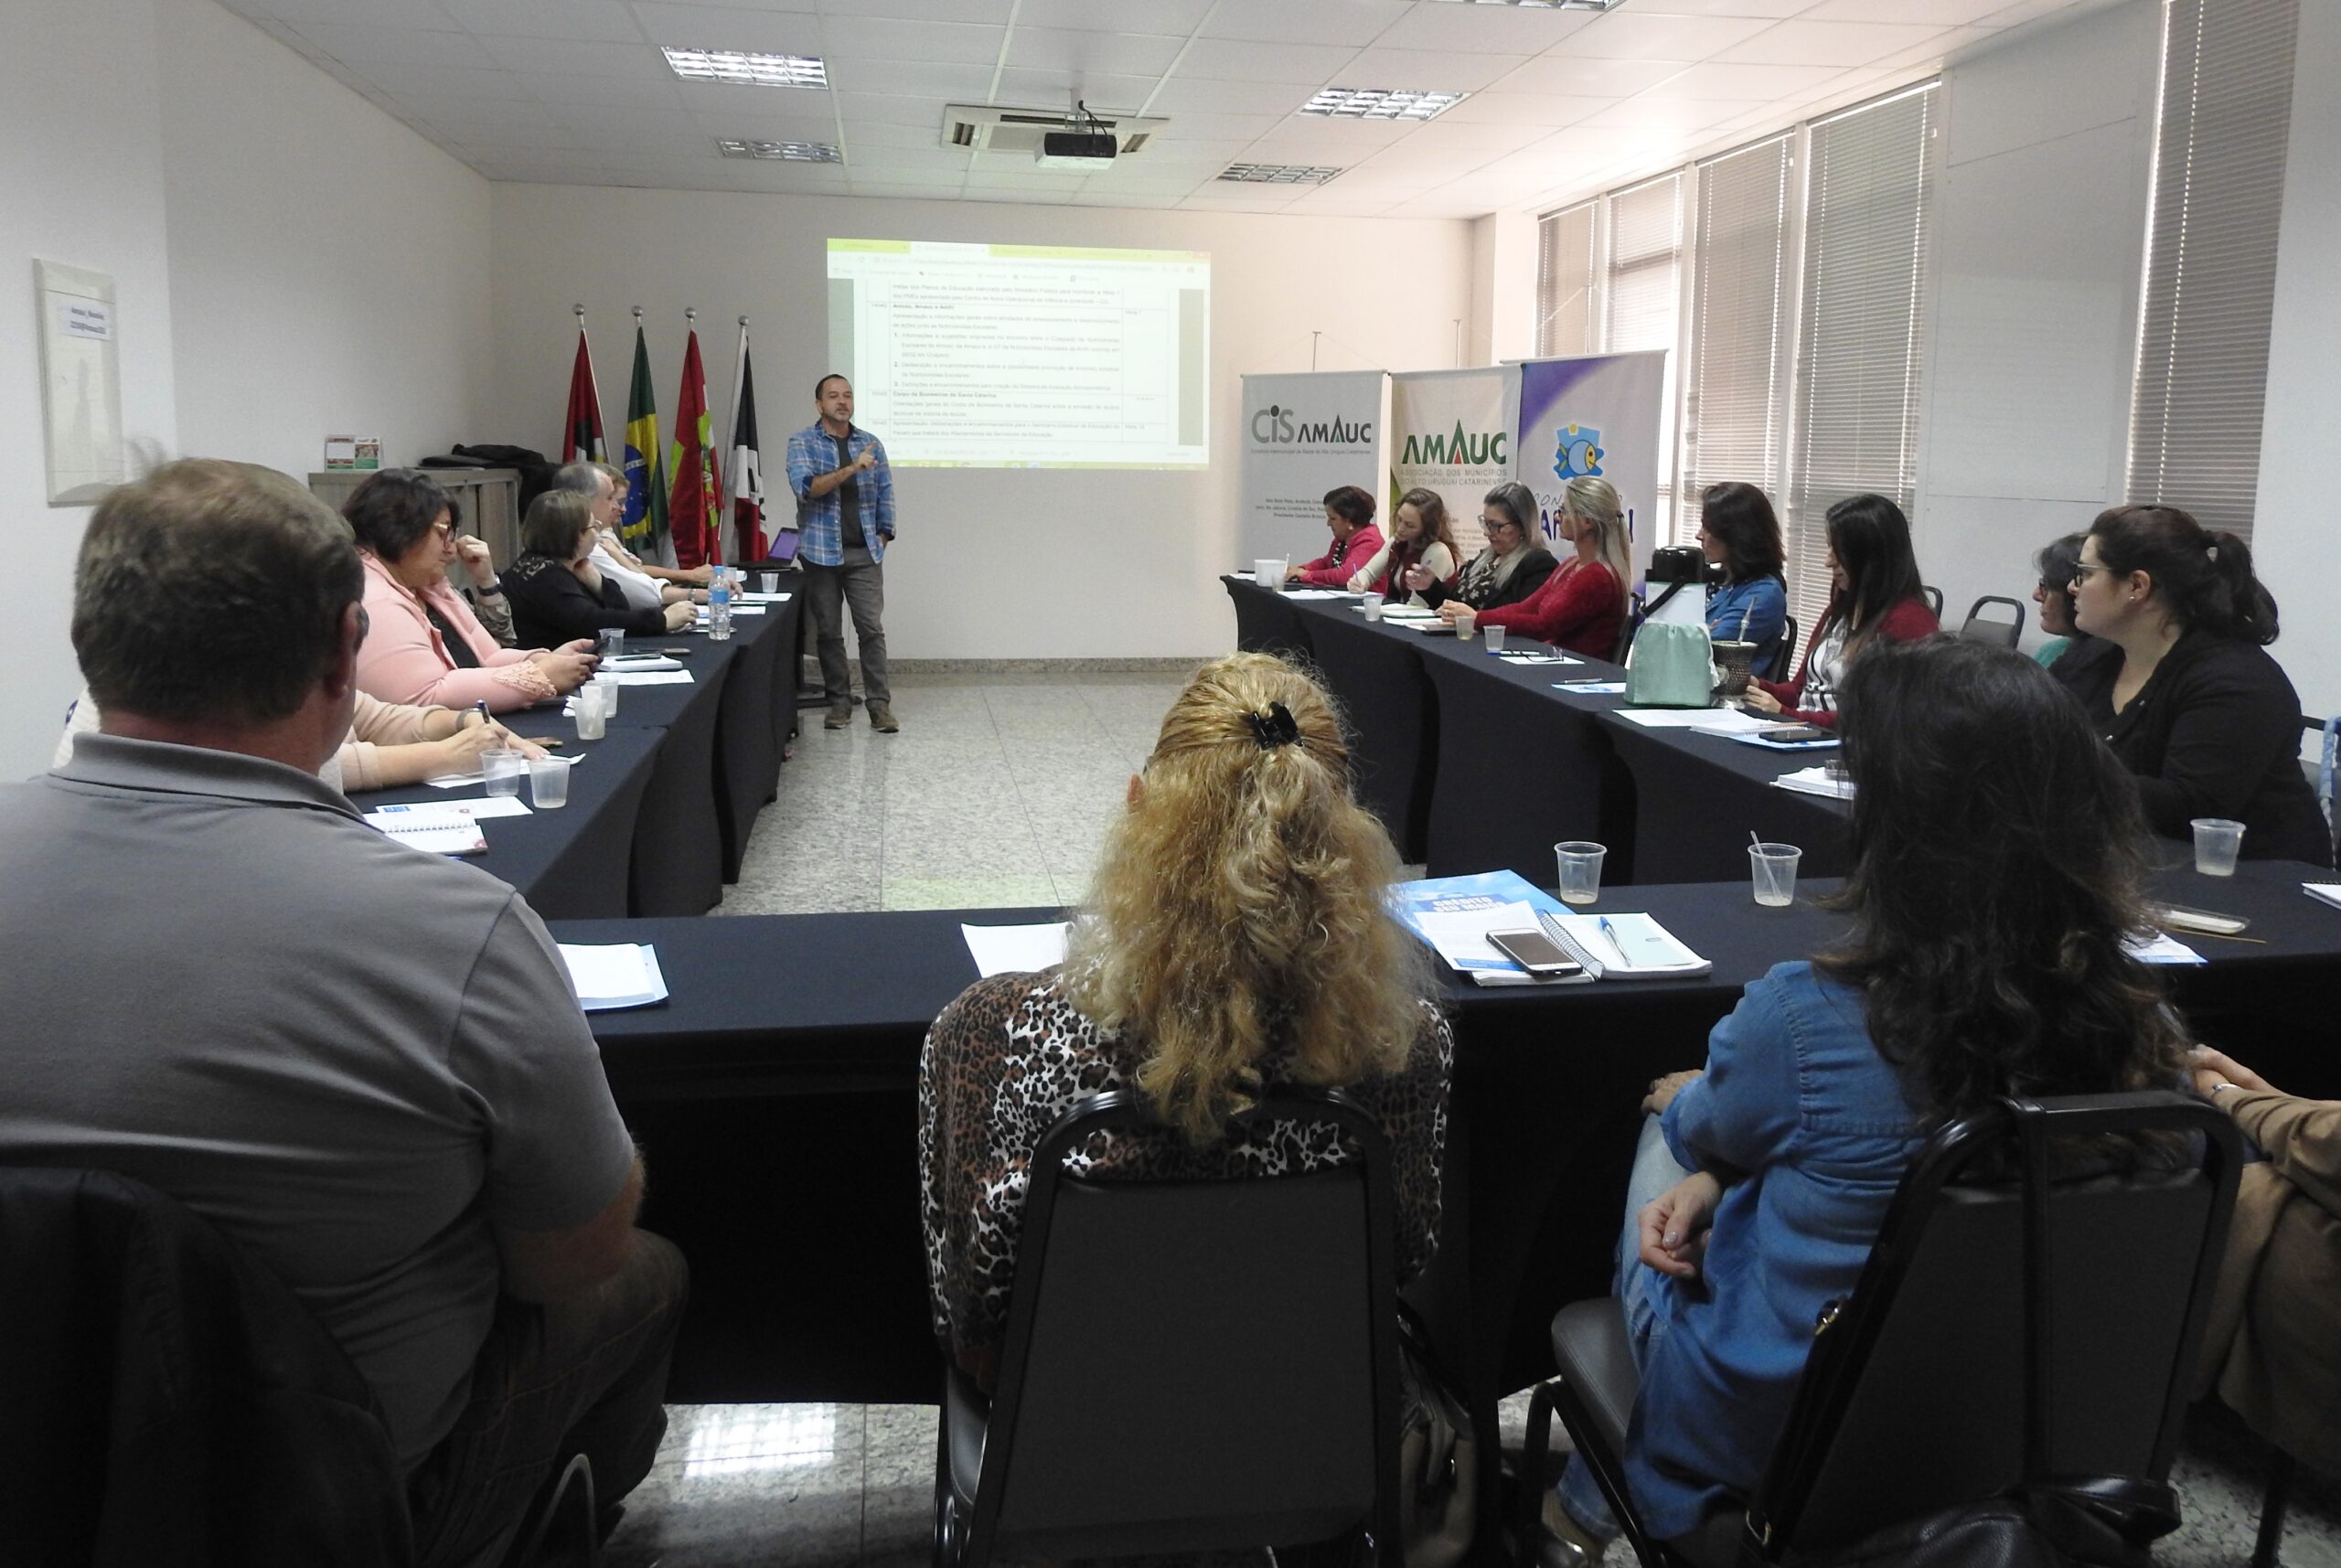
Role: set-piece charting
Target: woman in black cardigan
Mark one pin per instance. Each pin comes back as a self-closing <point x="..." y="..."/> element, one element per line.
<point x="1513" y="566"/>
<point x="555" y="593"/>
<point x="2179" y="683"/>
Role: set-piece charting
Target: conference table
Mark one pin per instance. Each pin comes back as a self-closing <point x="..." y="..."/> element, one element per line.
<point x="1477" y="762"/>
<point x="660" y="807"/>
<point x="773" y="1094"/>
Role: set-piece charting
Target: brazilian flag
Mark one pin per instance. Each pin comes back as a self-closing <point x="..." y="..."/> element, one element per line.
<point x="644" y="522"/>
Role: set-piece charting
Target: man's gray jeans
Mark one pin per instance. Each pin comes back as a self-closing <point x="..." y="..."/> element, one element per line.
<point x="861" y="582"/>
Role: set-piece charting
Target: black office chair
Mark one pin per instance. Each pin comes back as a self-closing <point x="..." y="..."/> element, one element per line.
<point x="1933" y="597"/>
<point x="1637" y="611"/>
<point x="1783" y="663"/>
<point x="2004" y="1333"/>
<point x="1188" y="1366"/>
<point x="2001" y="633"/>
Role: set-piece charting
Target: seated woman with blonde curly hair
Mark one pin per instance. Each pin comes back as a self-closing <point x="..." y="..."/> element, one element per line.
<point x="1237" y="938"/>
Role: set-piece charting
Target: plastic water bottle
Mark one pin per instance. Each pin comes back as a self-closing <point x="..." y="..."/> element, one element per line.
<point x="719" y="605"/>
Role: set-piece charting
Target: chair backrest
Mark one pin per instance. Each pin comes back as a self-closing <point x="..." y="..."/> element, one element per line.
<point x="1637" y="609"/>
<point x="2002" y="633"/>
<point x="171" y="1399"/>
<point x="2008" y="1329"/>
<point x="1193" y="1366"/>
<point x="1933" y="597"/>
<point x="1784" y="657"/>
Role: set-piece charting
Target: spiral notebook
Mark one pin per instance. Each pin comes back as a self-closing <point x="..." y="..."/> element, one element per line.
<point x="436" y="835"/>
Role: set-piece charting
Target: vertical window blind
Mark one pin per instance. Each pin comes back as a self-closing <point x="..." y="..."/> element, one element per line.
<point x="2210" y="282"/>
<point x="1735" y="375"/>
<point x="1564" y="274"/>
<point x="1868" y="208"/>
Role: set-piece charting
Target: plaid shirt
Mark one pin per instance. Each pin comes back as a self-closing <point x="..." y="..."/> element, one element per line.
<point x="813" y="453"/>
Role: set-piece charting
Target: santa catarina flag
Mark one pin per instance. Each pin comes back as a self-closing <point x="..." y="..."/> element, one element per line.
<point x="581" y="433"/>
<point x="695" y="514"/>
<point x="644" y="522"/>
<point x="747" y="468"/>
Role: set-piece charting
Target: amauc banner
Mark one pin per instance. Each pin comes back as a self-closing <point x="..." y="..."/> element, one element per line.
<point x="1451" y="432"/>
<point x="1303" y="435"/>
<point x="1595" y="415"/>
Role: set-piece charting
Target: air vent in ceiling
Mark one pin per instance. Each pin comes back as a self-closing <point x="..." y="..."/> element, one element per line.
<point x="988" y="128"/>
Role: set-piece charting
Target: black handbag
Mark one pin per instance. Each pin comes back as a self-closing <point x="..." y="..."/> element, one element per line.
<point x="2097" y="1523"/>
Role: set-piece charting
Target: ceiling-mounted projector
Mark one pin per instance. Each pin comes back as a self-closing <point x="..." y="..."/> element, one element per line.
<point x="1083" y="150"/>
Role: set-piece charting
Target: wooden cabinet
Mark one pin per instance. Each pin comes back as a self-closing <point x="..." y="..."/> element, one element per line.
<point x="490" y="498"/>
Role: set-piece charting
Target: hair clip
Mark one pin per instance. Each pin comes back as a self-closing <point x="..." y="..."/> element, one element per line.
<point x="1275" y="728"/>
<point x="2210" y="552"/>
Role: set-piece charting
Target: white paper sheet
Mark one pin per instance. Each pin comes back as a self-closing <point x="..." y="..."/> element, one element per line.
<point x="1719" y="719"/>
<point x="446" y="811"/>
<point x="457" y="781"/>
<point x="2325" y="893"/>
<point x="1461" y="936"/>
<point x="2161" y="947"/>
<point x="1014" y="949"/>
<point x="677" y="676"/>
<point x="1818" y="781"/>
<point x="625" y="975"/>
<point x="740" y="599"/>
<point x="631" y="662"/>
<point x="1591" y="688"/>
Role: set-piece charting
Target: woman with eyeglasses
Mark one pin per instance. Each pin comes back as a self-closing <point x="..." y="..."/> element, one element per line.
<point x="1581" y="606"/>
<point x="2179" y="681"/>
<point x="424" y="645"/>
<point x="2060" y="564"/>
<point x="1874" y="597"/>
<point x="1513" y="565"/>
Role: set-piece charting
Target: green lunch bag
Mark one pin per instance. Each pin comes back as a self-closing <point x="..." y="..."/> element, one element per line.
<point x="1671" y="667"/>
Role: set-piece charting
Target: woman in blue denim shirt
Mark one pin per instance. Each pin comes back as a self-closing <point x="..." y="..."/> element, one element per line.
<point x="1739" y="532"/>
<point x="1995" y="870"/>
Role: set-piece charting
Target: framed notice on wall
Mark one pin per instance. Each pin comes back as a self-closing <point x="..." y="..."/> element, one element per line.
<point x="81" y="366"/>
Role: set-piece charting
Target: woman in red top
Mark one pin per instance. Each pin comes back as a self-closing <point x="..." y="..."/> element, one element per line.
<point x="1874" y="594"/>
<point x="1582" y="606"/>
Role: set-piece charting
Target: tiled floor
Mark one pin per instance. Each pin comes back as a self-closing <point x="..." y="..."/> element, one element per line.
<point x="996" y="793"/>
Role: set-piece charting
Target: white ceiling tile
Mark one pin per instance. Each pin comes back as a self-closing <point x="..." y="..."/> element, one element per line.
<point x="1335" y="130"/>
<point x="1940" y="13"/>
<point x="570" y="57"/>
<point x="479" y="134"/>
<point x="407" y="81"/>
<point x="1131" y="203"/>
<point x="768" y="127"/>
<point x="1523" y="109"/>
<point x="606" y="21"/>
<point x="986" y="177"/>
<point x="505" y="109"/>
<point x="1639" y="35"/>
<point x="1327" y="202"/>
<point x="925" y="10"/>
<point x="1670" y="113"/>
<point x="1828" y="43"/>
<point x="1021" y="198"/>
<point x="1105" y="54"/>
<point x="649" y="92"/>
<point x="875" y="134"/>
<point x="1117" y="181"/>
<point x="2025" y="11"/>
<point x="1217" y="127"/>
<point x="730" y="27"/>
<point x="885" y="38"/>
<point x="1307" y="21"/>
<point x="1572" y="78"/>
<point x="663" y="154"/>
<point x="1750" y="83"/>
<point x="362" y="45"/>
<point x="1213" y="156"/>
<point x="1438" y="72"/>
<point x="894" y="109"/>
<point x="929" y="163"/>
<point x="381" y="12"/>
<point x="1226" y="59"/>
<point x="1766" y="8"/>
<point x="745" y="98"/>
<point x="902" y="190"/>
<point x="1943" y="46"/>
<point x="1483" y="29"/>
<point x="1057" y="89"/>
<point x="1179" y="17"/>
<point x="601" y="120"/>
<point x="1182" y="95"/>
<point x="934" y="81"/>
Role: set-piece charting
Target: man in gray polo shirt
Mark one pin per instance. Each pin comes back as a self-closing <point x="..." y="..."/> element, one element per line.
<point x="361" y="1062"/>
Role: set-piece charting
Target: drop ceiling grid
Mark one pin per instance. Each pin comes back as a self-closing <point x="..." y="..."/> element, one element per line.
<point x="576" y="91"/>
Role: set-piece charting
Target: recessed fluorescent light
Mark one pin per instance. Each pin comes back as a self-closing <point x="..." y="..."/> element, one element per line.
<point x="762" y="70"/>
<point x="1555" y="5"/>
<point x="1382" y="103"/>
<point x="1279" y="173"/>
<point x="788" y="152"/>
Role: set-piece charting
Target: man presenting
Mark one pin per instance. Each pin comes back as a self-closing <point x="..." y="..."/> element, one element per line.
<point x="362" y="1063"/>
<point x="845" y="516"/>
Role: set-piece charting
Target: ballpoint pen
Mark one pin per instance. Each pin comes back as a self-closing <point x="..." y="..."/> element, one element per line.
<point x="1611" y="931"/>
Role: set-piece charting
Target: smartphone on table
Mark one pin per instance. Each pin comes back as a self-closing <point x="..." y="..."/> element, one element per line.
<point x="1536" y="953"/>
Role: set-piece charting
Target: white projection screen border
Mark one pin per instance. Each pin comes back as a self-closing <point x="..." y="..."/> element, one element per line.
<point x="973" y="356"/>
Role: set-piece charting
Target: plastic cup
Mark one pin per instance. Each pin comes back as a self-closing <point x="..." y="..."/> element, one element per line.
<point x="1268" y="573"/>
<point x="1580" y="870"/>
<point x="593" y="713"/>
<point x="2217" y="841"/>
<point x="548" y="783"/>
<point x="1373" y="606"/>
<point x="610" y="644"/>
<point x="502" y="769"/>
<point x="1773" y="867"/>
<point x="1495" y="639"/>
<point x="608" y="686"/>
<point x="1466" y="624"/>
<point x="768" y="582"/>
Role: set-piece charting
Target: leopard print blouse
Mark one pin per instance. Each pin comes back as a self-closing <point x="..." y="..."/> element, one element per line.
<point x="1011" y="1055"/>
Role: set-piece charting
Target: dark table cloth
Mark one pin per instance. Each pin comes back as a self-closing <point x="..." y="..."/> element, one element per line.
<point x="1393" y="720"/>
<point x="679" y="834"/>
<point x="573" y="863"/>
<point x="1265" y="621"/>
<point x="751" y="725"/>
<point x="1698" y="797"/>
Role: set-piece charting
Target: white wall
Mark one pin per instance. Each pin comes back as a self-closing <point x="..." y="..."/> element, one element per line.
<point x="329" y="267"/>
<point x="2296" y="541"/>
<point x="83" y="184"/>
<point x="2025" y="431"/>
<point x="991" y="563"/>
<point x="1504" y="288"/>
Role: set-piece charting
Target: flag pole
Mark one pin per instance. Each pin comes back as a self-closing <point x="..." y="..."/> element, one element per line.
<point x="732" y="416"/>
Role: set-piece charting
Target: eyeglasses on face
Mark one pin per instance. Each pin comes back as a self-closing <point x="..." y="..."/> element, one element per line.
<point x="2081" y="571"/>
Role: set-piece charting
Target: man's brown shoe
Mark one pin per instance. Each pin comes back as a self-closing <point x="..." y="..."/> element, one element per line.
<point x="881" y="718"/>
<point x="840" y="716"/>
